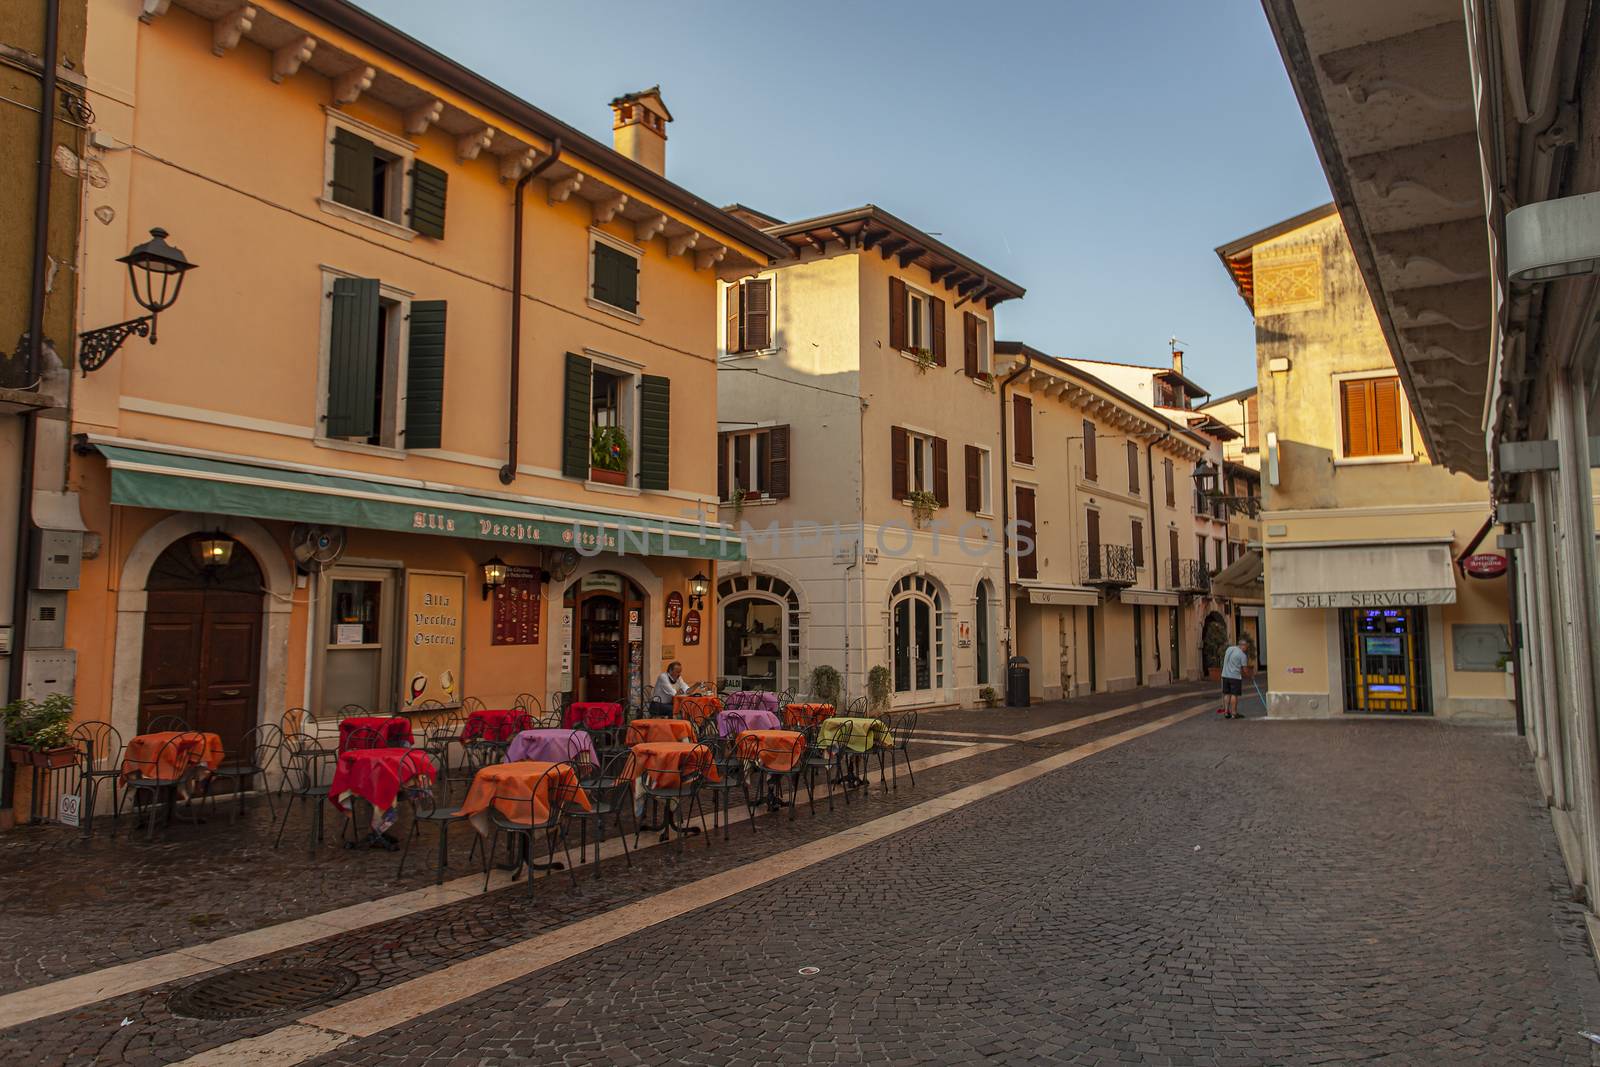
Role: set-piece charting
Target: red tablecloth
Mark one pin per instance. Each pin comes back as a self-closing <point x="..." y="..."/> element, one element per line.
<point x="592" y="715"/>
<point x="393" y="731"/>
<point x="496" y="725"/>
<point x="376" y="775"/>
<point x="806" y="714"/>
<point x="156" y="756"/>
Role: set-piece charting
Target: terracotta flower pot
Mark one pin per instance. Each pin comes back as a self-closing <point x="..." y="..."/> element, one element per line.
<point x="608" y="477"/>
<point x="55" y="758"/>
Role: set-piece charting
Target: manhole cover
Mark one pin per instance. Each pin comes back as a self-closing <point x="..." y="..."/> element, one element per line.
<point x="261" y="991"/>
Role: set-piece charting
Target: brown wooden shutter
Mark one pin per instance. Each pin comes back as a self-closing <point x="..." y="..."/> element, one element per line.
<point x="757" y="314"/>
<point x="735" y="317"/>
<point x="974" y="479"/>
<point x="936" y="316"/>
<point x="1091" y="463"/>
<point x="1172" y="549"/>
<point x="1172" y="498"/>
<point x="1091" y="534"/>
<point x="1137" y="533"/>
<point x="778" y="462"/>
<point x="1133" y="468"/>
<point x="941" y="471"/>
<point x="1386" y="427"/>
<point x="1021" y="429"/>
<point x="899" y="462"/>
<point x="897" y="315"/>
<point x="1027" y="561"/>
<point x="722" y="464"/>
<point x="1357" y="403"/>
<point x="969" y="341"/>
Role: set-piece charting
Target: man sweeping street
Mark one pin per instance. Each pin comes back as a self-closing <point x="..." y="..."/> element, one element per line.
<point x="1235" y="661"/>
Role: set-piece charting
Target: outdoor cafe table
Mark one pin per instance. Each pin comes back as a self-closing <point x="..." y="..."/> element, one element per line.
<point x="661" y="764"/>
<point x="495" y="725"/>
<point x="806" y="714"/>
<point x="154" y="756"/>
<point x="695" y="709"/>
<point x="395" y="730"/>
<point x="593" y="715"/>
<point x="377" y="775"/>
<point x="550" y="744"/>
<point x="520" y="791"/>
<point x="748" y="699"/>
<point x="642" y="731"/>
<point x="779" y="751"/>
<point x="737" y="721"/>
<point x="859" y="735"/>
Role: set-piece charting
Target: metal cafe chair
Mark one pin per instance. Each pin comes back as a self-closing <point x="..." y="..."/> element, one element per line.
<point x="166" y="724"/>
<point x="364" y="738"/>
<point x="257" y="751"/>
<point x="349" y="711"/>
<point x="558" y="791"/>
<point x="609" y="796"/>
<point x="731" y="776"/>
<point x="771" y="749"/>
<point x="161" y="779"/>
<point x="307" y="768"/>
<point x="896" y="747"/>
<point x="685" y="796"/>
<point x="99" y="760"/>
<point x="432" y="807"/>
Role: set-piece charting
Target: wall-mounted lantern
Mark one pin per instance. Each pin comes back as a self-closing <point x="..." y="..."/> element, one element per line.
<point x="155" y="271"/>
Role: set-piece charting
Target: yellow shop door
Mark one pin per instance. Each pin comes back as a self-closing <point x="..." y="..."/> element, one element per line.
<point x="1385" y="652"/>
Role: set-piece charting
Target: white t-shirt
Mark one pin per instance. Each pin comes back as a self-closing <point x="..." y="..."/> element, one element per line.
<point x="665" y="688"/>
<point x="1233" y="662"/>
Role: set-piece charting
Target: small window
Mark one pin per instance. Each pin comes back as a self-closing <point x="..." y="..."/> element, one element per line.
<point x="1372" y="417"/>
<point x="613" y="276"/>
<point x="1090" y="463"/>
<point x="754" y="464"/>
<point x="1133" y="468"/>
<point x="918" y="333"/>
<point x="366" y="176"/>
<point x="749" y="316"/>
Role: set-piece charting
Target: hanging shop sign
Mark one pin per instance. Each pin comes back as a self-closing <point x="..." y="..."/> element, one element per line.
<point x="1485" y="565"/>
<point x="433" y="636"/>
<point x="674" y="610"/>
<point x="691" y="627"/>
<point x="516" y="608"/>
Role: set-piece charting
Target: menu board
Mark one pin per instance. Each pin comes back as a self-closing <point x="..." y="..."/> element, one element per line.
<point x="674" y="609"/>
<point x="433" y="637"/>
<point x="516" y="608"/>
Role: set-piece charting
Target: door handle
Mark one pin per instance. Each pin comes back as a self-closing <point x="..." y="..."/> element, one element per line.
<point x="231" y="692"/>
<point x="168" y="696"/>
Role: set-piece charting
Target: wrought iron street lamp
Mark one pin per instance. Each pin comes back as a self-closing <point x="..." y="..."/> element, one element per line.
<point x="494" y="575"/>
<point x="155" y="271"/>
<point x="215" y="552"/>
<point x="699" y="586"/>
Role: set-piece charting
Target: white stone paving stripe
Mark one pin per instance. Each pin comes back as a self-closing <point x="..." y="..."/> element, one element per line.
<point x="406" y="1001"/>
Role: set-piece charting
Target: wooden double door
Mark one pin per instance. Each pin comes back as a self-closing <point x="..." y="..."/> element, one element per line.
<point x="202" y="649"/>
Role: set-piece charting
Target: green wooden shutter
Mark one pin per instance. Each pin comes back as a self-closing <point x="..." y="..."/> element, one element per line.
<point x="353" y="358"/>
<point x="575" y="429"/>
<point x="425" y="375"/>
<point x="627" y="282"/>
<point x="655" y="431"/>
<point x="428" y="184"/>
<point x="616" y="278"/>
<point x="603" y="285"/>
<point x="353" y="160"/>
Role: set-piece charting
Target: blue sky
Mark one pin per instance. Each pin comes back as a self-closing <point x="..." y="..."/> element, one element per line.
<point x="1093" y="152"/>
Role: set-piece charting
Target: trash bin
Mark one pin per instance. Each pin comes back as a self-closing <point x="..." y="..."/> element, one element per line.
<point x="1017" y="682"/>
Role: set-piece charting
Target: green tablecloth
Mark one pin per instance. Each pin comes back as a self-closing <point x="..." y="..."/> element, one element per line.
<point x="857" y="735"/>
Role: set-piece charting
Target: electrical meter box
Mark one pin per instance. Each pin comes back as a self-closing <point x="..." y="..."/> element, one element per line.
<point x="47" y="619"/>
<point x="47" y="673"/>
<point x="59" y="558"/>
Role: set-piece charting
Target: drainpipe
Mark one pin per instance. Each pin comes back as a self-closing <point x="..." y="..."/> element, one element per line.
<point x="1005" y="503"/>
<point x="508" y="473"/>
<point x="1155" y="558"/>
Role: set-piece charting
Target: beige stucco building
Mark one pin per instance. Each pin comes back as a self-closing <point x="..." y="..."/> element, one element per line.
<point x="860" y="435"/>
<point x="1367" y="607"/>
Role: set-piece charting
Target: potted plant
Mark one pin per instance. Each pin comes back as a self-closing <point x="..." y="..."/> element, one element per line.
<point x="878" y="688"/>
<point x="825" y="684"/>
<point x="923" y="505"/>
<point x="609" y="453"/>
<point x="39" y="733"/>
<point x="989" y="697"/>
<point x="923" y="357"/>
<point x="737" y="499"/>
<point x="985" y="379"/>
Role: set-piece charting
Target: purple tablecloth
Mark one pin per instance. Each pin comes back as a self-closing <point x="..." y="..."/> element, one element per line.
<point x="733" y="722"/>
<point x="746" y="699"/>
<point x="550" y="745"/>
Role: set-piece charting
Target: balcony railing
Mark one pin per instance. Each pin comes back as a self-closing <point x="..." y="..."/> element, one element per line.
<point x="1189" y="576"/>
<point x="1109" y="565"/>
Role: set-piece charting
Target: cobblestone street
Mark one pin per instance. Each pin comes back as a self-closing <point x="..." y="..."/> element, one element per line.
<point x="1123" y="879"/>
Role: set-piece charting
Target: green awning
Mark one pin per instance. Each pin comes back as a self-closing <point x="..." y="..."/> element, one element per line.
<point x="149" y="479"/>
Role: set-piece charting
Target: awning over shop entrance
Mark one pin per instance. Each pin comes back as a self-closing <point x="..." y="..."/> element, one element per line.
<point x="147" y="478"/>
<point x="1149" y="597"/>
<point x="1343" y="575"/>
<point x="1239" y="580"/>
<point x="1063" y="596"/>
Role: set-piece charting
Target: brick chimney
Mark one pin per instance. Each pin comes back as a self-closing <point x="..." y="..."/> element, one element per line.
<point x="1177" y="360"/>
<point x="639" y="127"/>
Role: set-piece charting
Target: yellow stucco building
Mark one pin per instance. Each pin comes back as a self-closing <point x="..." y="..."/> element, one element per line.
<point x="432" y="417"/>
<point x="1371" y="604"/>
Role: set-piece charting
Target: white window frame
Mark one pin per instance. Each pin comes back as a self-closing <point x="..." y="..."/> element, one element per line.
<point x="399" y="183"/>
<point x="918" y="323"/>
<point x="919" y="444"/>
<point x="750" y="433"/>
<point x="985" y="481"/>
<point x="1407" y="453"/>
<point x="396" y="359"/>
<point x="985" y="349"/>
<point x="601" y="237"/>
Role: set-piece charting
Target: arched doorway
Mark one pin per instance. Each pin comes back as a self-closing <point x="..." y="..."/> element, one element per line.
<point x="201" y="656"/>
<point x="760" y="633"/>
<point x="608" y="610"/>
<point x="1213" y="640"/>
<point x="916" y="637"/>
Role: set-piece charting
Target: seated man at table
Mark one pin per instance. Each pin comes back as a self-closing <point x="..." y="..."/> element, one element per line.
<point x="669" y="684"/>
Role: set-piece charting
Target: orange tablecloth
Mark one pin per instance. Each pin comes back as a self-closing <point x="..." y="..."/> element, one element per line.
<point x="641" y="731"/>
<point x="664" y="761"/>
<point x="150" y="755"/>
<point x="776" y="750"/>
<point x="521" y="791"/>
<point x="806" y="714"/>
<point x="695" y="709"/>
